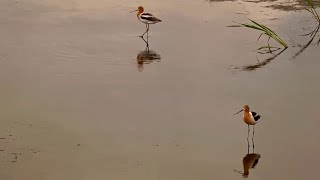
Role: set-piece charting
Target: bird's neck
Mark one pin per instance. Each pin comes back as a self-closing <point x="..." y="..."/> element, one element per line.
<point x="139" y="13"/>
<point x="246" y="114"/>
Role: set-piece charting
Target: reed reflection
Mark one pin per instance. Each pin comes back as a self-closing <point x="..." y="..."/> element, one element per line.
<point x="147" y="56"/>
<point x="249" y="161"/>
<point x="294" y="5"/>
<point x="262" y="63"/>
<point x="312" y="35"/>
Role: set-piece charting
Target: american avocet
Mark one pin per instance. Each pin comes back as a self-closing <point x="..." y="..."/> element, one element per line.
<point x="249" y="117"/>
<point x="146" y="18"/>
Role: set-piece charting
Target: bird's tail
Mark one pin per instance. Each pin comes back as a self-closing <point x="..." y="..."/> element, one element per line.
<point x="256" y="118"/>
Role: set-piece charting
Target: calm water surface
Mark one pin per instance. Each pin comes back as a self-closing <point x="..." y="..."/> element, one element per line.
<point x="77" y="104"/>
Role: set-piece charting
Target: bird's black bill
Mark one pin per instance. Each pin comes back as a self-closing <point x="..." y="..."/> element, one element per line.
<point x="239" y="112"/>
<point x="134" y="11"/>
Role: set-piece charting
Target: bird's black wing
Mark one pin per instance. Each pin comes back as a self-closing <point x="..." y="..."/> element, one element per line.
<point x="146" y="14"/>
<point x="253" y="114"/>
<point x="149" y="17"/>
<point x="256" y="118"/>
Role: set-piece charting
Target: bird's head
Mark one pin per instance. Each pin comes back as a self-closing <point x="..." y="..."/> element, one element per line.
<point x="140" y="9"/>
<point x="245" y="108"/>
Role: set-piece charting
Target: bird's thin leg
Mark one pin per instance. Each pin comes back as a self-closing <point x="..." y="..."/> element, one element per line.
<point x="147" y="45"/>
<point x="144" y="33"/>
<point x="252" y="146"/>
<point x="147" y="39"/>
<point x="248" y="137"/>
<point x="248" y="132"/>
<point x="253" y="132"/>
<point x="147" y="29"/>
<point x="252" y="137"/>
<point x="248" y="145"/>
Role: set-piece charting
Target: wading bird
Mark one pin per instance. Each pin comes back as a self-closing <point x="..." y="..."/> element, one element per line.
<point x="146" y="18"/>
<point x="249" y="117"/>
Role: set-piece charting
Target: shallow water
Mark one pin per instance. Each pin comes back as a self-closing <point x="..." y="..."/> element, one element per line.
<point x="76" y="103"/>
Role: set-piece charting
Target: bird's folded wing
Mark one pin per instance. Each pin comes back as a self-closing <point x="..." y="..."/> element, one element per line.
<point x="149" y="17"/>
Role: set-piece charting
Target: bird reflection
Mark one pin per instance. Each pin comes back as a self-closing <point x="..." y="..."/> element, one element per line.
<point x="147" y="56"/>
<point x="249" y="161"/>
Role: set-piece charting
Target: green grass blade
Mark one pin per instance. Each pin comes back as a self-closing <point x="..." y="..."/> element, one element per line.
<point x="265" y="30"/>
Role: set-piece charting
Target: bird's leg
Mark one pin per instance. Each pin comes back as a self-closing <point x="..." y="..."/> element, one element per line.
<point x="248" y="145"/>
<point x="252" y="137"/>
<point x="147" y="43"/>
<point x="146" y="31"/>
<point x="253" y="132"/>
<point x="248" y="138"/>
<point x="248" y="132"/>
<point x="147" y="39"/>
<point x="252" y="146"/>
<point x="147" y="48"/>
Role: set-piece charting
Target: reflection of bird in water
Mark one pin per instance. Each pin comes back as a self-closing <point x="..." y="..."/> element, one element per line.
<point x="147" y="56"/>
<point x="250" y="118"/>
<point x="249" y="161"/>
<point x="146" y="18"/>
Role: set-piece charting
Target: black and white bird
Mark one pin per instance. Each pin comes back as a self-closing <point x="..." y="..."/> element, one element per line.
<point x="249" y="117"/>
<point x="146" y="18"/>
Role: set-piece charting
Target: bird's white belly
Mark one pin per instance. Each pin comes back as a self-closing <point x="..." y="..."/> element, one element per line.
<point x="146" y="21"/>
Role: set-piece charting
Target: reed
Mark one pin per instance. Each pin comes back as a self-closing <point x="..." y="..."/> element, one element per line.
<point x="265" y="31"/>
<point x="312" y="10"/>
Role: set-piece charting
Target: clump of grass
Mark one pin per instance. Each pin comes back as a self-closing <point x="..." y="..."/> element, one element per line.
<point x="265" y="31"/>
<point x="312" y="10"/>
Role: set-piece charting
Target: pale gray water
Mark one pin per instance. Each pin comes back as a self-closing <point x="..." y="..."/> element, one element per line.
<point x="69" y="76"/>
